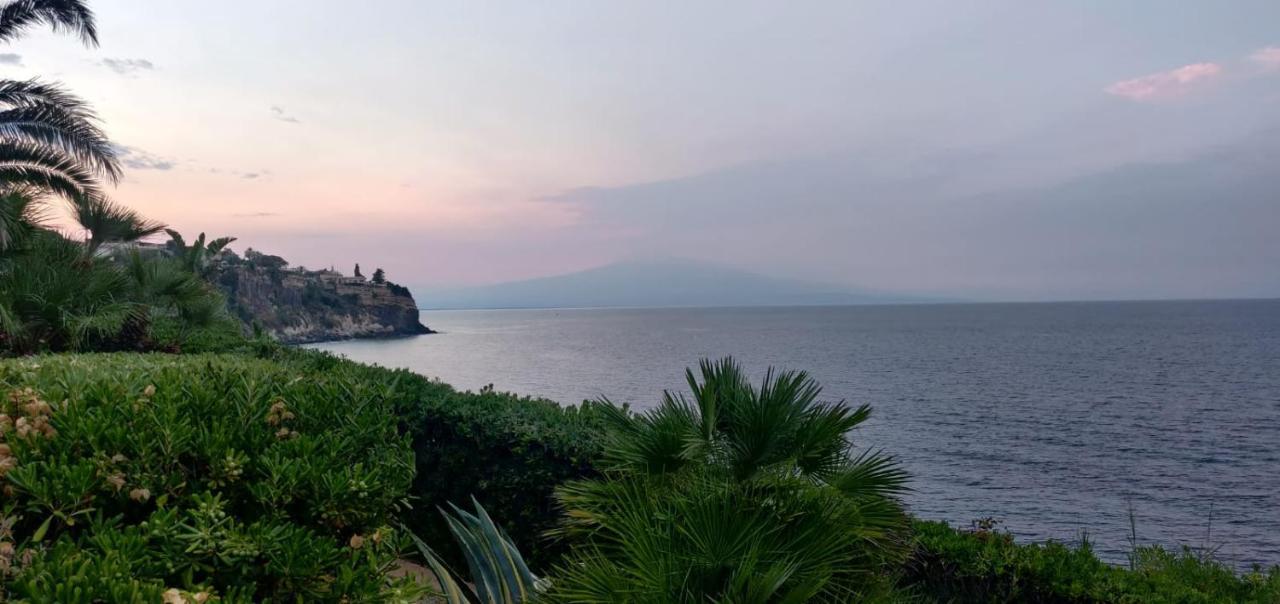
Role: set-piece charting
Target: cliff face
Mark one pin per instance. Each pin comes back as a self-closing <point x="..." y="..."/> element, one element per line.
<point x="297" y="306"/>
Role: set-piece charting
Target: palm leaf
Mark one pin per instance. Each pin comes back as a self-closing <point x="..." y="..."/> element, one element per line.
<point x="109" y="222"/>
<point x="25" y="163"/>
<point x="69" y="128"/>
<point x="72" y="16"/>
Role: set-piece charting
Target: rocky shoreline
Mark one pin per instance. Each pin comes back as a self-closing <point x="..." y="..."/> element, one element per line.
<point x="299" y="306"/>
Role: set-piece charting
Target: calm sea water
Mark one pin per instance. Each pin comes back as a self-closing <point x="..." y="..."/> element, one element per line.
<point x="1053" y="418"/>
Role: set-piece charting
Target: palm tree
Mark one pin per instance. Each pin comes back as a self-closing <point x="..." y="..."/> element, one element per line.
<point x="109" y="222"/>
<point x="56" y="298"/>
<point x="49" y="138"/>
<point x="738" y="494"/>
<point x="779" y="429"/>
<point x="198" y="256"/>
<point x="21" y="215"/>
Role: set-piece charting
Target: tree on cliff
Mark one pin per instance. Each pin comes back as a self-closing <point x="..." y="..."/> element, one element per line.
<point x="379" y="276"/>
<point x="198" y="256"/>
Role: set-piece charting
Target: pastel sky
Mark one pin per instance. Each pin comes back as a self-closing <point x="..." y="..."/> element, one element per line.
<point x="996" y="149"/>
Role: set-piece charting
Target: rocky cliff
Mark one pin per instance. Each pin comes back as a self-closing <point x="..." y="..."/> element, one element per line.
<point x="295" y="305"/>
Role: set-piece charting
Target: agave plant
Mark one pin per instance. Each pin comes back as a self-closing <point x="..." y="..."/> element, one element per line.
<point x="738" y="494"/>
<point x="498" y="571"/>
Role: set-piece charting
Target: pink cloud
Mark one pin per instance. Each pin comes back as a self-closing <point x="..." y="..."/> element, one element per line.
<point x="1166" y="83"/>
<point x="1268" y="58"/>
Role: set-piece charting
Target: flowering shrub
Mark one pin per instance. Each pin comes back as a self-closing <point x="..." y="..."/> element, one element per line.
<point x="506" y="451"/>
<point x="151" y="478"/>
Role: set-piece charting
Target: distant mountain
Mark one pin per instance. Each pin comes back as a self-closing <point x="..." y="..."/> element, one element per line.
<point x="645" y="284"/>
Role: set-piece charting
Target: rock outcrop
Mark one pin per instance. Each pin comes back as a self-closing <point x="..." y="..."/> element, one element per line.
<point x="296" y="306"/>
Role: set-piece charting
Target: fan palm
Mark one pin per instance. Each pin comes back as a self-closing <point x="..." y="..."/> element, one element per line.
<point x="109" y="222"/>
<point x="737" y="494"/>
<point x="55" y="298"/>
<point x="779" y="429"/>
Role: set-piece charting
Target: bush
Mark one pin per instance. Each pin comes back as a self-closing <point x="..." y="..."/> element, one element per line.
<point x="984" y="565"/>
<point x="508" y="452"/>
<point x="128" y="476"/>
<point x="735" y="494"/>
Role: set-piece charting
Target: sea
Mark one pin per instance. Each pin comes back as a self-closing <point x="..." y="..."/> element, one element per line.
<point x="1066" y="421"/>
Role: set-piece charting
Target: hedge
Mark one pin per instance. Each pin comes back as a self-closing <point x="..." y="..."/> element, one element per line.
<point x="506" y="451"/>
<point x="132" y="478"/>
<point x="987" y="566"/>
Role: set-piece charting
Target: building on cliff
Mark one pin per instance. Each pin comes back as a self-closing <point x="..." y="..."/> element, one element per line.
<point x="295" y="305"/>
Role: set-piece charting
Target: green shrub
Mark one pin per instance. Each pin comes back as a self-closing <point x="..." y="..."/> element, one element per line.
<point x="737" y="494"/>
<point x="984" y="565"/>
<point x="507" y="452"/>
<point x="127" y="476"/>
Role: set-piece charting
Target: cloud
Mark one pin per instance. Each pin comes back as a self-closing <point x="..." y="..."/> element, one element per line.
<point x="250" y="176"/>
<point x="1166" y="83"/>
<point x="8" y="58"/>
<point x="281" y="115"/>
<point x="137" y="159"/>
<point x="127" y="66"/>
<point x="1268" y="58"/>
<point x="256" y="214"/>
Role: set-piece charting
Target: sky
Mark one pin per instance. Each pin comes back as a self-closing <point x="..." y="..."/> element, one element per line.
<point x="990" y="150"/>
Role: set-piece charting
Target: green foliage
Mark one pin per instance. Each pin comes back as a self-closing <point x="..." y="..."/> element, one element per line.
<point x="987" y="566"/>
<point x="508" y="452"/>
<point x="741" y="494"/>
<point x="60" y="296"/>
<point x="197" y="257"/>
<point x="57" y="298"/>
<point x="127" y="476"/>
<point x="498" y="571"/>
<point x="108" y="222"/>
<point x="49" y="139"/>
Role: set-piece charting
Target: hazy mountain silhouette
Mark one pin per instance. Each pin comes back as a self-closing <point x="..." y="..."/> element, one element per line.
<point x="653" y="283"/>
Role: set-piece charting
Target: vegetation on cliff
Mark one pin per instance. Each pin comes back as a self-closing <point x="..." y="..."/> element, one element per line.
<point x="296" y="305"/>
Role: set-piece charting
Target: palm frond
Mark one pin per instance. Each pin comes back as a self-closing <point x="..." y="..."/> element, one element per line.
<point x="176" y="241"/>
<point x="21" y="214"/>
<point x="26" y="164"/>
<point x="73" y="16"/>
<point x="872" y="474"/>
<point x="217" y="245"/>
<point x="109" y="222"/>
<point x="66" y="124"/>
